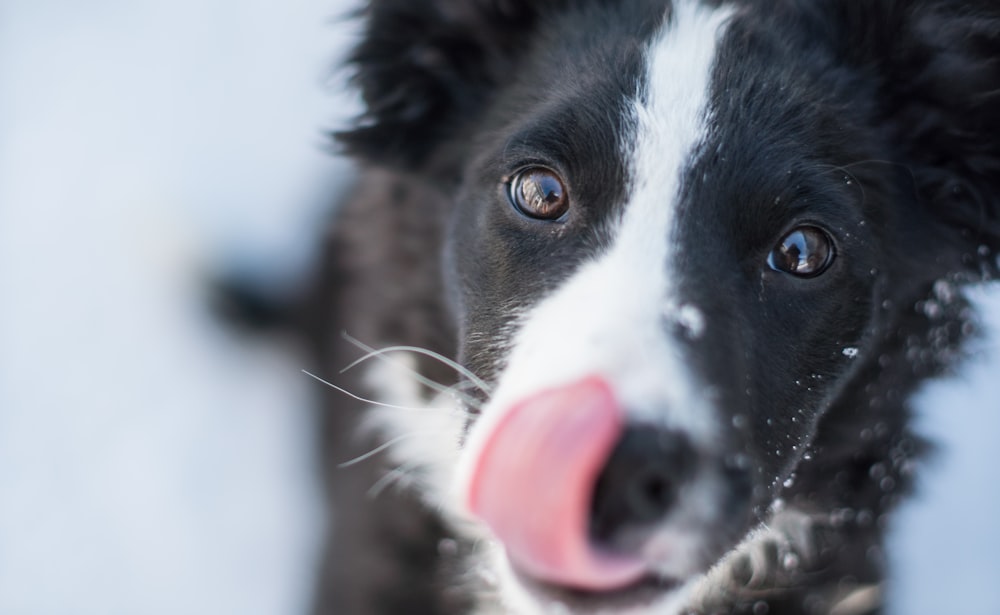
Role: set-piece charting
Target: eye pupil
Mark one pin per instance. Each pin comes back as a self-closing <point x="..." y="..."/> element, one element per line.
<point x="539" y="193"/>
<point x="805" y="252"/>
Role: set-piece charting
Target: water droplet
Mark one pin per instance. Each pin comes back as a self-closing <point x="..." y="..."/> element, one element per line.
<point x="790" y="561"/>
<point x="789" y="482"/>
<point x="807" y="456"/>
<point x="692" y="320"/>
<point x="740" y="421"/>
<point x="740" y="462"/>
<point x="770" y="422"/>
<point x="877" y="471"/>
<point x="932" y="309"/>
<point x="887" y="484"/>
<point x="944" y="291"/>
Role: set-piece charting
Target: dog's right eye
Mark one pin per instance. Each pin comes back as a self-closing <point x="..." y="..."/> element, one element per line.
<point x="806" y="252"/>
<point x="538" y="193"/>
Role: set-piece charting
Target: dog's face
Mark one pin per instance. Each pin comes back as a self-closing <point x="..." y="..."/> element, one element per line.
<point x="679" y="231"/>
<point x="636" y="236"/>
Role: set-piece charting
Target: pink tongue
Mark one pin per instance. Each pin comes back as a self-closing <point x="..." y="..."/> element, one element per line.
<point x="534" y="480"/>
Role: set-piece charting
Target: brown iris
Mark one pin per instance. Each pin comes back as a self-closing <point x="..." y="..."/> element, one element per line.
<point x="805" y="252"/>
<point x="539" y="193"/>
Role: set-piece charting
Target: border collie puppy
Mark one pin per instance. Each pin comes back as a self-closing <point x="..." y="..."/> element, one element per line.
<point x="649" y="285"/>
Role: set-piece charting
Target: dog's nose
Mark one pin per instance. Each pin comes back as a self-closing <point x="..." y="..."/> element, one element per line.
<point x="639" y="483"/>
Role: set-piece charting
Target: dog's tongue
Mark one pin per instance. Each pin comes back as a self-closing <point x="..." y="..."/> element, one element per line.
<point x="534" y="480"/>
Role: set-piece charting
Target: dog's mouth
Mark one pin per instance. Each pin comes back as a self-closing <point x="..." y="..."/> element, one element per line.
<point x="644" y="592"/>
<point x="538" y="476"/>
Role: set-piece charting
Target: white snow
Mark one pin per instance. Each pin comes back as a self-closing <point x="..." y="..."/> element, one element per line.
<point x="149" y="462"/>
<point x="945" y="547"/>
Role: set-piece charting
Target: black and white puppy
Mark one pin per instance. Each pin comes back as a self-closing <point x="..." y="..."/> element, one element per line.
<point x="691" y="258"/>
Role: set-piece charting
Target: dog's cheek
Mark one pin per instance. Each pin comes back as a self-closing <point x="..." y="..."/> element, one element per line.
<point x="808" y="358"/>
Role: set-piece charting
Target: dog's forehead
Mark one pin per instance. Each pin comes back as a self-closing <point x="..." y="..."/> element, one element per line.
<point x="671" y="115"/>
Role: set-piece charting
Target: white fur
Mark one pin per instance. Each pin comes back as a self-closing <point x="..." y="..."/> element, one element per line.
<point x="610" y="317"/>
<point x="425" y="434"/>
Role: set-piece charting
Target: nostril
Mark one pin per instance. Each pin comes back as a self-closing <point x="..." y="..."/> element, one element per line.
<point x="651" y="494"/>
<point x="638" y="486"/>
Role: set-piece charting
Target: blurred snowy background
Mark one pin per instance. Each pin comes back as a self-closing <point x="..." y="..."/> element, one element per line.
<point x="149" y="461"/>
<point x="152" y="463"/>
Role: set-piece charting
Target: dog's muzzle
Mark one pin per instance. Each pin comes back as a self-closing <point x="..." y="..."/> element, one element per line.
<point x="562" y="475"/>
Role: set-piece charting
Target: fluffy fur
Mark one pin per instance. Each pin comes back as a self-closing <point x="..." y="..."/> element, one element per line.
<point x="691" y="137"/>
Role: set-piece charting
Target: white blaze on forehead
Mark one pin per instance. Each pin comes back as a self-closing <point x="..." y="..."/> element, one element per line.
<point x="609" y="317"/>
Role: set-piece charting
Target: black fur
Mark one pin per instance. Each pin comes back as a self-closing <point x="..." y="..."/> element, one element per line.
<point x="879" y="120"/>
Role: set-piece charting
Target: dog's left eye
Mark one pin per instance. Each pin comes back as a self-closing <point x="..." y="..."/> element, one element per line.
<point x="538" y="193"/>
<point x="805" y="252"/>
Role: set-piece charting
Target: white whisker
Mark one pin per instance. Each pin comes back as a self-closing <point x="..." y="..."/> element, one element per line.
<point x="372" y="401"/>
<point x="436" y="386"/>
<point x="395" y="475"/>
<point x="385" y="445"/>
<point x="476" y="380"/>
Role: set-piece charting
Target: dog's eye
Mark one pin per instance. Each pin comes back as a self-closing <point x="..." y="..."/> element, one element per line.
<point x="805" y="252"/>
<point x="538" y="193"/>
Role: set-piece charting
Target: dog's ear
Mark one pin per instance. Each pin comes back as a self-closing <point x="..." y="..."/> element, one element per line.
<point x="938" y="67"/>
<point x="425" y="66"/>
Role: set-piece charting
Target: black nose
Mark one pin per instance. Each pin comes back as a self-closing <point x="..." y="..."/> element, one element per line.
<point x="639" y="484"/>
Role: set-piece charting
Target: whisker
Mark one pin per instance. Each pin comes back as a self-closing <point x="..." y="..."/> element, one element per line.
<point x="384" y="446"/>
<point x="436" y="386"/>
<point x="372" y="401"/>
<point x="395" y="475"/>
<point x="479" y="383"/>
<point x="453" y="391"/>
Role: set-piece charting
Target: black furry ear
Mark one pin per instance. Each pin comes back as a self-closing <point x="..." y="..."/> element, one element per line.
<point x="940" y="77"/>
<point x="426" y="66"/>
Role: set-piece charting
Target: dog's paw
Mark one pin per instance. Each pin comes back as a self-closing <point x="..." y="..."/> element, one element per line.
<point x="757" y="577"/>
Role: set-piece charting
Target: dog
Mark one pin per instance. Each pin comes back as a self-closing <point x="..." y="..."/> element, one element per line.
<point x="632" y="297"/>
